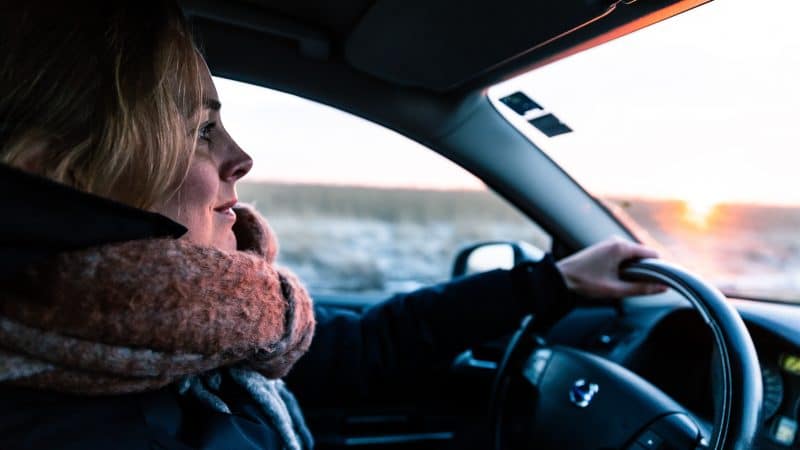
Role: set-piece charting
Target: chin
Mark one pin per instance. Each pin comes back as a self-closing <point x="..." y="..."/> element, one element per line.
<point x="227" y="242"/>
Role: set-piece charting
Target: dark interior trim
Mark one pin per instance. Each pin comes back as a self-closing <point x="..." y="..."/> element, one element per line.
<point x="312" y="42"/>
<point x="626" y="18"/>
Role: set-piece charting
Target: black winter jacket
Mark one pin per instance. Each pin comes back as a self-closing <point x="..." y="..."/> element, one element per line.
<point x="351" y="353"/>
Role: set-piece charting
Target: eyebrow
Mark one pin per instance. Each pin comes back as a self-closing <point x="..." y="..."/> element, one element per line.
<point x="212" y="103"/>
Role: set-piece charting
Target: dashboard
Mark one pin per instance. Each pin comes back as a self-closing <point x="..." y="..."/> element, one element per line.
<point x="667" y="343"/>
<point x="659" y="337"/>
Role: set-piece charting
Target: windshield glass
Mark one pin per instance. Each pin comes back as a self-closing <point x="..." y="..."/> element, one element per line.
<point x="687" y="131"/>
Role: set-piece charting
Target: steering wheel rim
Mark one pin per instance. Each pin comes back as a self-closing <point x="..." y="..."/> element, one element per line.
<point x="737" y="420"/>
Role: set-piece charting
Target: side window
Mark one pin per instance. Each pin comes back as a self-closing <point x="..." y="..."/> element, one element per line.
<point x="359" y="208"/>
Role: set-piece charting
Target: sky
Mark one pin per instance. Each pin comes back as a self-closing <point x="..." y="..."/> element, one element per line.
<point x="700" y="107"/>
<point x="295" y="140"/>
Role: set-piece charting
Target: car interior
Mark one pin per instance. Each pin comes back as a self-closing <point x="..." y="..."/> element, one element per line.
<point x="684" y="369"/>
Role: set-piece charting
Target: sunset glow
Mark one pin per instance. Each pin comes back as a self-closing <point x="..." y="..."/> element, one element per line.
<point x="699" y="212"/>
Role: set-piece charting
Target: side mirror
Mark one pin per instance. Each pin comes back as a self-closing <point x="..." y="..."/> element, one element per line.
<point x="489" y="255"/>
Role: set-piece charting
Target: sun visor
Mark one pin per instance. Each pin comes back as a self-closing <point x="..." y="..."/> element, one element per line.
<point x="440" y="45"/>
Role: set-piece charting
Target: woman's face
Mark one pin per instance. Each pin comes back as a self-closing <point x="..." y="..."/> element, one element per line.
<point x="203" y="202"/>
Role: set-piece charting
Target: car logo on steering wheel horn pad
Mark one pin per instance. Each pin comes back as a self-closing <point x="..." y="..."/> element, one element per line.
<point x="582" y="393"/>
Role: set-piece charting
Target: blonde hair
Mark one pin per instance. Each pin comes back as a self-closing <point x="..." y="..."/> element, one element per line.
<point x="107" y="93"/>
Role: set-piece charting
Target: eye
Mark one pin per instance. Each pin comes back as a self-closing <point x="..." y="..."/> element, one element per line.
<point x="204" y="132"/>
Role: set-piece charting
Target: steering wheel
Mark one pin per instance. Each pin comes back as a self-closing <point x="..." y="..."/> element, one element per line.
<point x="571" y="399"/>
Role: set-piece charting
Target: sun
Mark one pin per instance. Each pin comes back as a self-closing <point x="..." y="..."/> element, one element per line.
<point x="699" y="211"/>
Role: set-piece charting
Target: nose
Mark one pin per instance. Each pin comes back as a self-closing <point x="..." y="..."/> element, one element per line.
<point x="237" y="165"/>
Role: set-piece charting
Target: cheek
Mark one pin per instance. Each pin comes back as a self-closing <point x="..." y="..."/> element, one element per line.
<point x="192" y="205"/>
<point x="199" y="190"/>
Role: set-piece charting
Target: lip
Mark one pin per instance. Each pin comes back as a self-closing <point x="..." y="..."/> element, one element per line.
<point x="225" y="210"/>
<point x="226" y="206"/>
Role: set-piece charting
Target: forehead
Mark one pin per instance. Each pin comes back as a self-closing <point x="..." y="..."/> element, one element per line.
<point x="209" y="90"/>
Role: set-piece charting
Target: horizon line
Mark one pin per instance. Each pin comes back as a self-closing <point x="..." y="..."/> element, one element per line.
<point x="484" y="188"/>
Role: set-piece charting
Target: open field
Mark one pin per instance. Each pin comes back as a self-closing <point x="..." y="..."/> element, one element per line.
<point x="357" y="239"/>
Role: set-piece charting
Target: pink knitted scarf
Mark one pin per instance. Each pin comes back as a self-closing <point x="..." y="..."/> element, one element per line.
<point x="139" y="315"/>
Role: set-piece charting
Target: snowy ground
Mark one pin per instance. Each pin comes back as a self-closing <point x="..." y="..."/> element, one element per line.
<point x="375" y="240"/>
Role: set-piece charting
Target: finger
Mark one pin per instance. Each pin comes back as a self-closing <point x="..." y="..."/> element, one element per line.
<point x="656" y="289"/>
<point x="633" y="250"/>
<point x="625" y="289"/>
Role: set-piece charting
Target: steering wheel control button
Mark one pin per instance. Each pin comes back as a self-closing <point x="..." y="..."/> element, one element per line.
<point x="582" y="393"/>
<point x="649" y="440"/>
<point x="535" y="365"/>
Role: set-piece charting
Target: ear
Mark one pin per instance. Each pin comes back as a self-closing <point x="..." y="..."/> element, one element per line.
<point x="253" y="233"/>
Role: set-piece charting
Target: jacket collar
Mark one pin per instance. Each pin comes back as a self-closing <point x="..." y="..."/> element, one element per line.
<point x="41" y="217"/>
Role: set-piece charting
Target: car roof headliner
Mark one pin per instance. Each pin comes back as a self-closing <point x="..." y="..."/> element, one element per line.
<point x="437" y="45"/>
<point x="415" y="66"/>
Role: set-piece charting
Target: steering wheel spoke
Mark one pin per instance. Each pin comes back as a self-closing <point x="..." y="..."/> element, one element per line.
<point x="578" y="400"/>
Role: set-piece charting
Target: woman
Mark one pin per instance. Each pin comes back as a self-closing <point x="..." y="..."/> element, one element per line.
<point x="175" y="333"/>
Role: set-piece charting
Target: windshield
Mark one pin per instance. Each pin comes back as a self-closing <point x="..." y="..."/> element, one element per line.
<point x="687" y="131"/>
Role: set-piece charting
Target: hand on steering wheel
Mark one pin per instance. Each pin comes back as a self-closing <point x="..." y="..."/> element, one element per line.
<point x="594" y="271"/>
